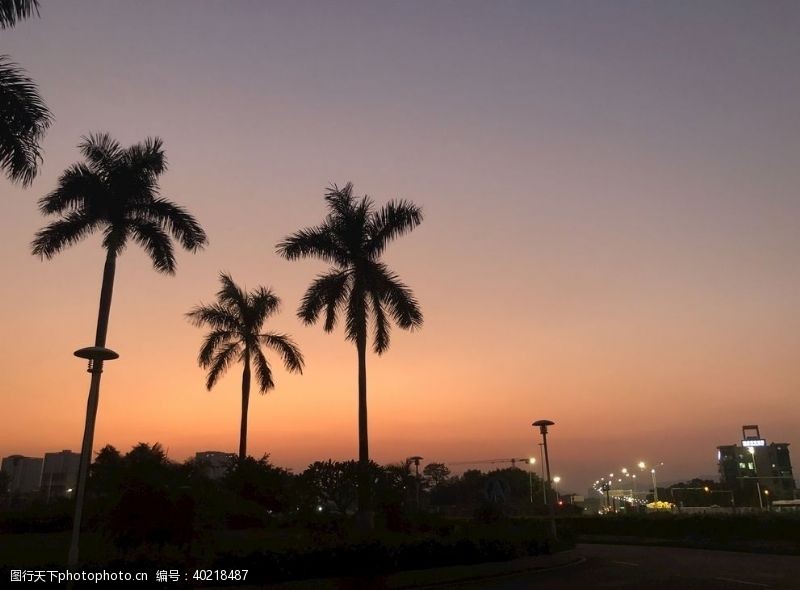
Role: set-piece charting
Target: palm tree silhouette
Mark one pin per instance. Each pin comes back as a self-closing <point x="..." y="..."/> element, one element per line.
<point x="115" y="191"/>
<point x="236" y="320"/>
<point x="24" y="117"/>
<point x="352" y="238"/>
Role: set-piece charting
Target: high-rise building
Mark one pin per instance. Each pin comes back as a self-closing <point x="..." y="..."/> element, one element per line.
<point x="59" y="473"/>
<point x="24" y="473"/>
<point x="756" y="472"/>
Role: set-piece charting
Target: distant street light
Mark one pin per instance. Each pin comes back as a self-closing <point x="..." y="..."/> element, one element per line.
<point x="543" y="424"/>
<point x="556" y="479"/>
<point x="531" y="462"/>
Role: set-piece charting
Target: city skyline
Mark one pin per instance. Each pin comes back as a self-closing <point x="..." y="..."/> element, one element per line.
<point x="610" y="236"/>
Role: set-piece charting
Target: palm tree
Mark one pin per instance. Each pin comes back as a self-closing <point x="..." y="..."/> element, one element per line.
<point x="352" y="239"/>
<point x="24" y="117"/>
<point x="236" y="320"/>
<point x="114" y="191"/>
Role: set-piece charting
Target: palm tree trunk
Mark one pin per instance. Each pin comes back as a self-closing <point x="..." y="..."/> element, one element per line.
<point x="245" y="405"/>
<point x="96" y="369"/>
<point x="365" y="517"/>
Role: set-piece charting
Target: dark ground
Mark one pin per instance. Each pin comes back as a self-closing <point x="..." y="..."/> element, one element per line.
<point x="657" y="568"/>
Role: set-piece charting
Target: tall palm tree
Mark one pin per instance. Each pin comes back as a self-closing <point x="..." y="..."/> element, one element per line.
<point x="236" y="320"/>
<point x="24" y="117"/>
<point x="114" y="191"/>
<point x="352" y="239"/>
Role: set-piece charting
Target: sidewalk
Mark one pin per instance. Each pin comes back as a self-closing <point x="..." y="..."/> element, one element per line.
<point x="431" y="578"/>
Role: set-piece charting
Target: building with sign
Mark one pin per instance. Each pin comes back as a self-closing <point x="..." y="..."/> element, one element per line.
<point x="756" y="472"/>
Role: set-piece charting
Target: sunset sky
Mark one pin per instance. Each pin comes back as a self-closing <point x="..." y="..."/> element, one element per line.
<point x="611" y="235"/>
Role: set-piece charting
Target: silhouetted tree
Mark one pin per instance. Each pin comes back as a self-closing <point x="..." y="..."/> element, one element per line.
<point x="236" y="320"/>
<point x="115" y="191"/>
<point x="24" y="117"/>
<point x="259" y="481"/>
<point x="352" y="238"/>
<point x="436" y="473"/>
<point x="332" y="483"/>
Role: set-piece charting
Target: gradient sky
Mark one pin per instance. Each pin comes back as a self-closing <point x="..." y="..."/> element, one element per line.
<point x="611" y="234"/>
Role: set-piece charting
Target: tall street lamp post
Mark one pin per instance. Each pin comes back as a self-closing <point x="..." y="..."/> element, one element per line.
<point x="543" y="424"/>
<point x="95" y="355"/>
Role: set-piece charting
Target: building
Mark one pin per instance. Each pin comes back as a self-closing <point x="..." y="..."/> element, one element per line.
<point x="59" y="473"/>
<point x="215" y="463"/>
<point x="24" y="473"/>
<point x="756" y="472"/>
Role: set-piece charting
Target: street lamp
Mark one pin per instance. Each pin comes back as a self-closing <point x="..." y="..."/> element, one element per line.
<point x="556" y="479"/>
<point x="96" y="355"/>
<point x="543" y="424"/>
<point x="531" y="462"/>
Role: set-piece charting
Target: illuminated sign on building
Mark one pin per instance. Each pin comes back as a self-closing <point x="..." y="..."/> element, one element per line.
<point x="754" y="442"/>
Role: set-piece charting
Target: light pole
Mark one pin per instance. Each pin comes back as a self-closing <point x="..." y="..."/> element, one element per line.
<point x="543" y="424"/>
<point x="544" y="488"/>
<point x="95" y="355"/>
<point x="531" y="462"/>
<point x="416" y="461"/>
<point x="643" y="465"/>
<point x="556" y="479"/>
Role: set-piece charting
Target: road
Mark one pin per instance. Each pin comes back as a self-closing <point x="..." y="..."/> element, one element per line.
<point x="657" y="568"/>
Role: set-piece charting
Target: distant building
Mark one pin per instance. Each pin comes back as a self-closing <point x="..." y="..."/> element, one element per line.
<point x="25" y="473"/>
<point x="59" y="473"/>
<point x="215" y="463"/>
<point x="756" y="472"/>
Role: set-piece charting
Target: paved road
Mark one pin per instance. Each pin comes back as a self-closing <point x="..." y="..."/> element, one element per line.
<point x="658" y="568"/>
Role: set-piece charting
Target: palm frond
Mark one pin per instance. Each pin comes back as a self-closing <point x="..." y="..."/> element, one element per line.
<point x="288" y="350"/>
<point x="213" y="341"/>
<point x="392" y="220"/>
<point x="12" y="11"/>
<point x="399" y="298"/>
<point x="380" y="325"/>
<point x="176" y="220"/>
<point x="222" y="360"/>
<point x="263" y="303"/>
<point x="156" y="243"/>
<point x="102" y="152"/>
<point x="56" y="236"/>
<point x="216" y="316"/>
<point x="327" y="292"/>
<point x="24" y="119"/>
<point x="263" y="371"/>
<point x="147" y="156"/>
<point x="357" y="313"/>
<point x="313" y="242"/>
<point x="232" y="296"/>
<point x="78" y="189"/>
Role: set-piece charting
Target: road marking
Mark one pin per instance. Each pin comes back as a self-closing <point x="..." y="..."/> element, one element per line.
<point x="742" y="582"/>
<point x="626" y="563"/>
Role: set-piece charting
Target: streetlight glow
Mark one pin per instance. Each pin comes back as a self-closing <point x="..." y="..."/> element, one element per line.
<point x="642" y="465"/>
